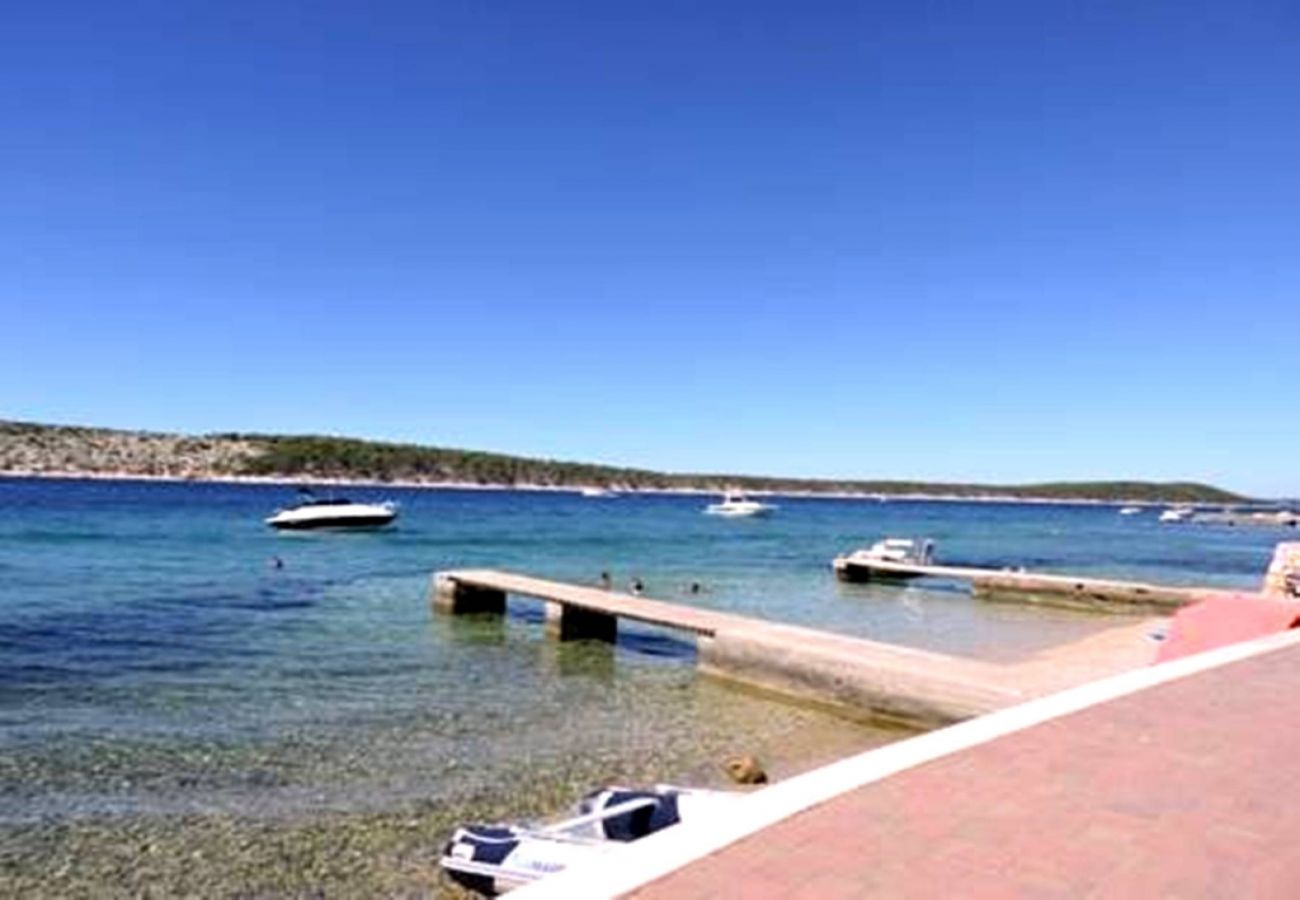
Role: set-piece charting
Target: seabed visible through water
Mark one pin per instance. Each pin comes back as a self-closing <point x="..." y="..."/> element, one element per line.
<point x="179" y="717"/>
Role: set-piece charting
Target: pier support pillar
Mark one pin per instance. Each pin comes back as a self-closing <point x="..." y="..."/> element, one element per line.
<point x="1283" y="578"/>
<point x="565" y="622"/>
<point x="454" y="598"/>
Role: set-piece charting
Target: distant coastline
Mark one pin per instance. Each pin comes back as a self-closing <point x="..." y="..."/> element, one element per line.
<point x="34" y="450"/>
<point x="297" y="481"/>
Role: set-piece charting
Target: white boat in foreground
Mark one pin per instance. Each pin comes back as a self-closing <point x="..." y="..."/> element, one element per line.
<point x="1177" y="514"/>
<point x="492" y="859"/>
<point x="735" y="503"/>
<point x="333" y="513"/>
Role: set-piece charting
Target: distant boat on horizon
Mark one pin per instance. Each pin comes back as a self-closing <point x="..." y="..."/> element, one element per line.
<point x="735" y="504"/>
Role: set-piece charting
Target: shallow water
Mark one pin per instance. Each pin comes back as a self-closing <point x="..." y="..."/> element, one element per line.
<point x="160" y="679"/>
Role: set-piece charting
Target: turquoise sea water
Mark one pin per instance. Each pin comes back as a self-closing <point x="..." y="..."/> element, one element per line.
<point x="154" y="664"/>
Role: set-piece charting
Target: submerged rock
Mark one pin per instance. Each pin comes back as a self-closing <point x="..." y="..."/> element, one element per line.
<point x="745" y="769"/>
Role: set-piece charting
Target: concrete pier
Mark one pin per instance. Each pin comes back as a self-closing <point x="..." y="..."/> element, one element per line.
<point x="566" y="622"/>
<point x="860" y="678"/>
<point x="852" y="676"/>
<point x="1097" y="594"/>
<point x="575" y="596"/>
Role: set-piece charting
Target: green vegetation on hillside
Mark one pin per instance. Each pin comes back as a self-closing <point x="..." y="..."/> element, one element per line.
<point x="331" y="457"/>
<point x="32" y="448"/>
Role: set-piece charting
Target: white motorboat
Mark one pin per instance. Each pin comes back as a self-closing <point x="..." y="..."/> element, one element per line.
<point x="1177" y="514"/>
<point x="493" y="859"/>
<point x="863" y="564"/>
<point x="598" y="492"/>
<point x="1130" y="510"/>
<point x="913" y="551"/>
<point x="735" y="503"/>
<point x="333" y="513"/>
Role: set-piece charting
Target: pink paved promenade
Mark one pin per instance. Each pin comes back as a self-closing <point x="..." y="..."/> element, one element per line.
<point x="1185" y="789"/>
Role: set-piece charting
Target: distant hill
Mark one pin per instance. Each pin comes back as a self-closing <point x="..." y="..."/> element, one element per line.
<point x="34" y="449"/>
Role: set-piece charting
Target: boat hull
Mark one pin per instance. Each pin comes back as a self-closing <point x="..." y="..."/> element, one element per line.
<point x="334" y="515"/>
<point x="863" y="570"/>
<point x="738" y="514"/>
<point x="336" y="523"/>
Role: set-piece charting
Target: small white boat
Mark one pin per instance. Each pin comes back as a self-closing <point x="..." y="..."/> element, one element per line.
<point x="913" y="551"/>
<point x="1130" y="510"/>
<point x="335" y="513"/>
<point x="735" y="503"/>
<point x="493" y="859"/>
<point x="863" y="564"/>
<point x="597" y="492"/>
<point x="1177" y="514"/>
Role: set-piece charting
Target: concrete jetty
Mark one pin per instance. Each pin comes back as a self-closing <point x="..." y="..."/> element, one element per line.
<point x="573" y="612"/>
<point x="1069" y="591"/>
<point x="852" y="676"/>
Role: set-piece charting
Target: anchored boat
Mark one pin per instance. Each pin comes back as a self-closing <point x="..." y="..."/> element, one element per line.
<point x="333" y="513"/>
<point x="735" y="503"/>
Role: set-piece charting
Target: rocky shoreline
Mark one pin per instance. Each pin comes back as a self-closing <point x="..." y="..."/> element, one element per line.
<point x="312" y="481"/>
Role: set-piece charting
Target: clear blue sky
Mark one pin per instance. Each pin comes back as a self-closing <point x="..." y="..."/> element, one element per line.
<point x="990" y="241"/>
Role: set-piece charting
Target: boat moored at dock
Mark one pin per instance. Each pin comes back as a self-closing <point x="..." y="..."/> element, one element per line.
<point x="919" y="551"/>
<point x="864" y="563"/>
<point x="1068" y="591"/>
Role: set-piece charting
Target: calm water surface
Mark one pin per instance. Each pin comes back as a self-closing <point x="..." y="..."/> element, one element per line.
<point x="155" y="668"/>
